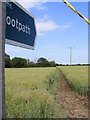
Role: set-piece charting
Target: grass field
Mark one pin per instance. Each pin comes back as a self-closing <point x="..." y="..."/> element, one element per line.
<point x="30" y="93"/>
<point x="77" y="77"/>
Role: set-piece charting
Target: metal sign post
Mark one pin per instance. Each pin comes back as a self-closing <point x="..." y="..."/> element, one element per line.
<point x="2" y="60"/>
<point x="89" y="61"/>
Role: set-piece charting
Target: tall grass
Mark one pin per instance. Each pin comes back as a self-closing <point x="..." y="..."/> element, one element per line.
<point x="77" y="77"/>
<point x="30" y="93"/>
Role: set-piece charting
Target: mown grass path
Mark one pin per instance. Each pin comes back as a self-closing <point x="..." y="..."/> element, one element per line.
<point x="75" y="105"/>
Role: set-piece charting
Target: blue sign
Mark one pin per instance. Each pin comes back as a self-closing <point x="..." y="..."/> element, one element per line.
<point x="20" y="26"/>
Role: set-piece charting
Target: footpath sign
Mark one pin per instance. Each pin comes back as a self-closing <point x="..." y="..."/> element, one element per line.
<point x="20" y="26"/>
<point x="17" y="27"/>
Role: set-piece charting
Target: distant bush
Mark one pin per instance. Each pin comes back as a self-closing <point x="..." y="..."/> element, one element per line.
<point x="7" y="61"/>
<point x="31" y="64"/>
<point x="42" y="62"/>
<point x="18" y="63"/>
<point x="52" y="64"/>
<point x="24" y="63"/>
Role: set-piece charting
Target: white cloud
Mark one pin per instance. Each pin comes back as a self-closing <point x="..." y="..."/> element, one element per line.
<point x="45" y="26"/>
<point x="49" y="25"/>
<point x="43" y="1"/>
<point x="29" y="1"/>
<point x="64" y="27"/>
<point x="33" y="4"/>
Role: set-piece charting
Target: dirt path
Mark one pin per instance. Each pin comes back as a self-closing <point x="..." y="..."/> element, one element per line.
<point x="75" y="105"/>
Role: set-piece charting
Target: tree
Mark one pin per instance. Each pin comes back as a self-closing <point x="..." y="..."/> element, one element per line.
<point x="7" y="61"/>
<point x="42" y="62"/>
<point x="31" y="64"/>
<point x="19" y="62"/>
<point x="52" y="64"/>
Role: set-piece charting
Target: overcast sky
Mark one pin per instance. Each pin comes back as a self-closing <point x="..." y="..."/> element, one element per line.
<point x="58" y="28"/>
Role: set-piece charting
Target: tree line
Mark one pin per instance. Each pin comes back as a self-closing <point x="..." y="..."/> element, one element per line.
<point x="24" y="63"/>
<point x="41" y="62"/>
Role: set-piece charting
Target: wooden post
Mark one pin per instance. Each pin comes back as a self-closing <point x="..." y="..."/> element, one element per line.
<point x="2" y="58"/>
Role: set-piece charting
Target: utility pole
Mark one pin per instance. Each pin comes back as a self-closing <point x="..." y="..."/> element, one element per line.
<point x="70" y="56"/>
<point x="71" y="48"/>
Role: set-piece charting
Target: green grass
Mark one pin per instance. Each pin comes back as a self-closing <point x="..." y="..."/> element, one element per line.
<point x="77" y="77"/>
<point x="30" y="93"/>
